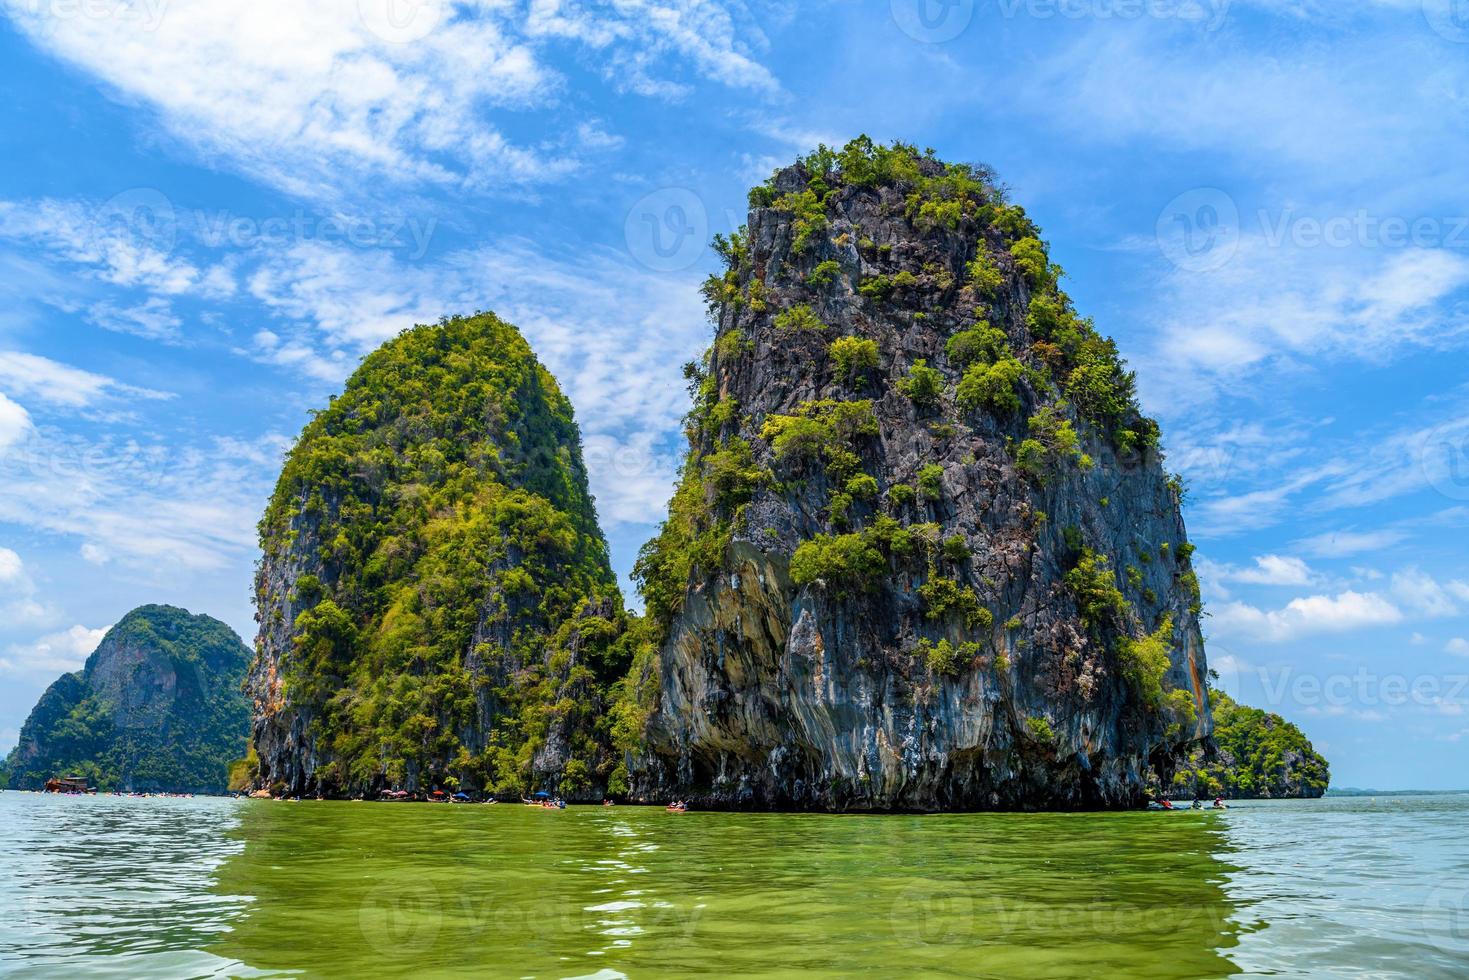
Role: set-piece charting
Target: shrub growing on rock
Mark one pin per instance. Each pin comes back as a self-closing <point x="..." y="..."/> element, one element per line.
<point x="992" y="387"/>
<point x="853" y="357"/>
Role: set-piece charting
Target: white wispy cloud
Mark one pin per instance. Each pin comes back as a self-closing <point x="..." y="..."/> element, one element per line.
<point x="53" y="383"/>
<point x="305" y="96"/>
<point x="1416" y="590"/>
<point x="127" y="240"/>
<point x="18" y="600"/>
<point x="1271" y="570"/>
<point x="54" y="653"/>
<point x="1311" y="476"/>
<point x="15" y="423"/>
<point x="1347" y="543"/>
<point x="1304" y="616"/>
<point x="144" y="506"/>
<point x="153" y="319"/>
<point x="1278" y="307"/>
<point x="643" y="36"/>
<point x="1412" y="592"/>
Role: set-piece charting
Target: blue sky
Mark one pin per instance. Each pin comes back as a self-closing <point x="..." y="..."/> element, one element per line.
<point x="209" y="211"/>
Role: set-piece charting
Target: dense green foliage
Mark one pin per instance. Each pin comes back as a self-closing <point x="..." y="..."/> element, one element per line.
<point x="855" y="562"/>
<point x="824" y="274"/>
<point x="1260" y="755"/>
<point x="992" y="387"/>
<point x="830" y="430"/>
<point x="946" y="658"/>
<point x="944" y="597"/>
<point x="931" y="481"/>
<point x="465" y="604"/>
<point x="924" y="385"/>
<point x="1144" y="662"/>
<point x="798" y="318"/>
<point x="1039" y="729"/>
<point x="1052" y="439"/>
<point x="158" y="706"/>
<point x="853" y="357"/>
<point x="1094" y="586"/>
<point x="980" y="344"/>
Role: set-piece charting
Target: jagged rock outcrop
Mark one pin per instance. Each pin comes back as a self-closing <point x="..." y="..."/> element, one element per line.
<point x="924" y="553"/>
<point x="158" y="706"/>
<point x="435" y="603"/>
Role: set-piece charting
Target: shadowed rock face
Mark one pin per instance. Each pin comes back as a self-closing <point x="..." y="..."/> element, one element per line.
<point x="787" y="682"/>
<point x="157" y="706"/>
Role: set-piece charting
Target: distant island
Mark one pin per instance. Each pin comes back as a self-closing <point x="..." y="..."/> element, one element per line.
<point x="1354" y="791"/>
<point x="157" y="707"/>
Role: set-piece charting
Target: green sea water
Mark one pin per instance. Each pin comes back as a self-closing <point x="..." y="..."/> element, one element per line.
<point x="1370" y="887"/>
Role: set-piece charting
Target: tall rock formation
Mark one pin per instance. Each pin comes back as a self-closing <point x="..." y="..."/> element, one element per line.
<point x="435" y="603"/>
<point x="158" y="706"/>
<point x="924" y="552"/>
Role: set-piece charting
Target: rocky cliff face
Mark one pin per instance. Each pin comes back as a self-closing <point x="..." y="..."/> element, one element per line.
<point x="435" y="603"/>
<point x="157" y="706"/>
<point x="924" y="553"/>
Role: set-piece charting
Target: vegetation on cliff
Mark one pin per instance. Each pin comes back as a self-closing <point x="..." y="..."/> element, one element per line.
<point x="158" y="706"/>
<point x="898" y="393"/>
<point x="1259" y="754"/>
<point x="435" y="600"/>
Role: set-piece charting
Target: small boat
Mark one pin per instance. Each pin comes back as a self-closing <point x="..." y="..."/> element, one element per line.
<point x="67" y="785"/>
<point x="678" y="806"/>
<point x="395" y="796"/>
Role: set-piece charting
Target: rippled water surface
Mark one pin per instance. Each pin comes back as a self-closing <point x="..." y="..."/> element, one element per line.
<point x="1373" y="887"/>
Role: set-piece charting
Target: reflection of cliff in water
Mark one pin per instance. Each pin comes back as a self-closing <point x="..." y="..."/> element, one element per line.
<point x="348" y="889"/>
